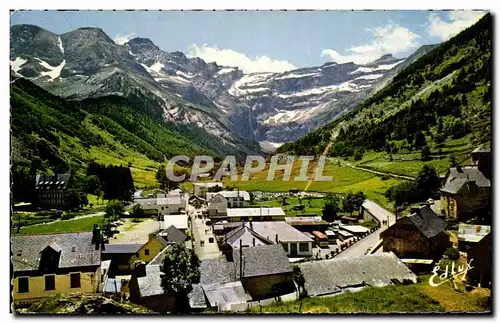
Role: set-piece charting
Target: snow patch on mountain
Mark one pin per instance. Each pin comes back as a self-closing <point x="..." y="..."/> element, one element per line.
<point x="59" y="43"/>
<point x="182" y="74"/>
<point x="225" y="71"/>
<point x="17" y="64"/>
<point x="53" y="71"/>
<point x="343" y="87"/>
<point x="300" y="115"/>
<point x="384" y="67"/>
<point x="248" y="80"/>
<point x="292" y="76"/>
<point x="269" y="146"/>
<point x="369" y="77"/>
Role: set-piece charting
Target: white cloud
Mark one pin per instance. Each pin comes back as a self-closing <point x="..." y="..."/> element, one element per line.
<point x="457" y="21"/>
<point x="122" y="39"/>
<point x="391" y="39"/>
<point x="229" y="57"/>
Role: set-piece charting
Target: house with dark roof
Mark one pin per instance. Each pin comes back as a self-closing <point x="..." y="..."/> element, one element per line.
<point x="264" y="271"/>
<point x="172" y="235"/>
<point x="350" y="274"/>
<point x="46" y="265"/>
<point x="466" y="193"/>
<point x="52" y="190"/>
<point x="197" y="201"/>
<point x="421" y="235"/>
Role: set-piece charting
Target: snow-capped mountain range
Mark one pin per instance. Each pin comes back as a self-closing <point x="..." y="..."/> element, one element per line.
<point x="237" y="109"/>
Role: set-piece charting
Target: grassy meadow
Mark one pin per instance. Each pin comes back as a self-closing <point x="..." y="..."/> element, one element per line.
<point x="415" y="298"/>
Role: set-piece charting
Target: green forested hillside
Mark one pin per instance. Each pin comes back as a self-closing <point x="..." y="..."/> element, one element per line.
<point x="49" y="132"/>
<point x="443" y="96"/>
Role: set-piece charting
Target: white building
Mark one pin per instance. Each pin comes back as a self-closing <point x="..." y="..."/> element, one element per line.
<point x="168" y="204"/>
<point x="180" y="221"/>
<point x="252" y="214"/>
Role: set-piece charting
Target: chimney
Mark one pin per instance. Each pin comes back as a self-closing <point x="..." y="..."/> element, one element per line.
<point x="96" y="237"/>
<point x="277" y="241"/>
<point x="459" y="168"/>
<point x="253" y="241"/>
<point x="251" y="225"/>
<point x="139" y="269"/>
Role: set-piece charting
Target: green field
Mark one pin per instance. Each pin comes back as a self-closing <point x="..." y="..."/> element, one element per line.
<point x="344" y="179"/>
<point x="78" y="225"/>
<point x="315" y="206"/>
<point x="420" y="297"/>
<point x="409" y="163"/>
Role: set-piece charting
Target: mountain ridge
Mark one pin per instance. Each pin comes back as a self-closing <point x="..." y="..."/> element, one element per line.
<point x="239" y="109"/>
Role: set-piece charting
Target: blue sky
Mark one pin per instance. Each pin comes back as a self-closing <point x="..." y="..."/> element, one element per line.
<point x="268" y="41"/>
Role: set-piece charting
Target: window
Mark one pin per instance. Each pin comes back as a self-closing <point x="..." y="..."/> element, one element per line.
<point x="303" y="247"/>
<point x="75" y="280"/>
<point x="23" y="285"/>
<point x="137" y="254"/>
<point x="146" y="252"/>
<point x="50" y="282"/>
<point x="285" y="246"/>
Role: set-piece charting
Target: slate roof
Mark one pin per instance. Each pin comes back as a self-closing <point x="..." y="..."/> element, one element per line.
<point x="247" y="237"/>
<point x="212" y="271"/>
<point x="262" y="261"/>
<point x="265" y="233"/>
<point x="216" y="271"/>
<point x="325" y="277"/>
<point x="285" y="232"/>
<point x="427" y="222"/>
<point x="458" y="177"/>
<point x="169" y="200"/>
<point x="150" y="284"/>
<point x="26" y="250"/>
<point x="122" y="248"/>
<point x="56" y="181"/>
<point x="172" y="235"/>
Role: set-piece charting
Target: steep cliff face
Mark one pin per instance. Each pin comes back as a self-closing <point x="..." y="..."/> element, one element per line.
<point x="238" y="109"/>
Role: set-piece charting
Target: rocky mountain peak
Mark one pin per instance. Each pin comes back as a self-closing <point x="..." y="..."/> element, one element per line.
<point x="140" y="44"/>
<point x="384" y="59"/>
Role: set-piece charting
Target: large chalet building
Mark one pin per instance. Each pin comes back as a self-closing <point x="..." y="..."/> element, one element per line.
<point x="52" y="190"/>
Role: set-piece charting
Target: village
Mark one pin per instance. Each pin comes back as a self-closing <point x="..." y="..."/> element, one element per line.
<point x="252" y="254"/>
